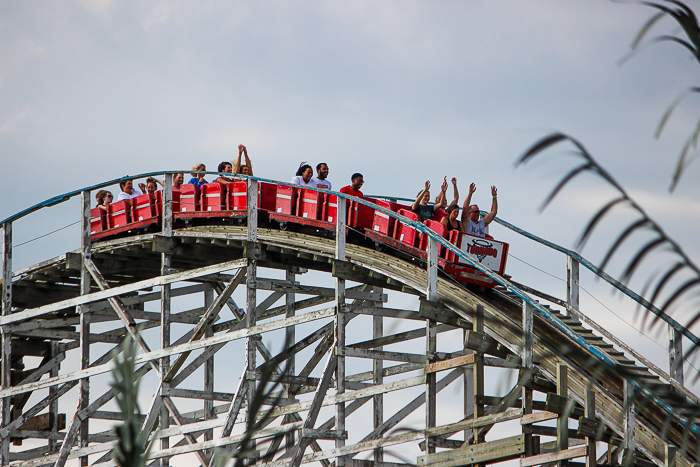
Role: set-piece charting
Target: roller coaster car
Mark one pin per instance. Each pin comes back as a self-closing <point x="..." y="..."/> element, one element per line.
<point x="388" y="231"/>
<point x="299" y="206"/>
<point x="228" y="201"/>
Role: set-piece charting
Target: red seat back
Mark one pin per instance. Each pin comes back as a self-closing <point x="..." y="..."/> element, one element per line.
<point x="360" y="215"/>
<point x="143" y="207"/>
<point x="159" y="201"/>
<point x="238" y="196"/>
<point x="329" y="208"/>
<point x="213" y="197"/>
<point x="436" y="227"/>
<point x="119" y="214"/>
<point x="189" y="198"/>
<point x="455" y="237"/>
<point x="406" y="233"/>
<point x="309" y="204"/>
<point x="98" y="220"/>
<point x="285" y="200"/>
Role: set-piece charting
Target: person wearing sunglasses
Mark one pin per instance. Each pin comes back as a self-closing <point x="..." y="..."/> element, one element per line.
<point x="104" y="199"/>
<point x="471" y="224"/>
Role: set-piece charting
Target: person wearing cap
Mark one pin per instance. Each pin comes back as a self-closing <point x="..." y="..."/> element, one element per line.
<point x="471" y="224"/>
<point x="321" y="178"/>
<point x="354" y="189"/>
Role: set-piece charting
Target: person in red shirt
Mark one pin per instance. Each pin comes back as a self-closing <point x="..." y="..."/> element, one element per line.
<point x="354" y="189"/>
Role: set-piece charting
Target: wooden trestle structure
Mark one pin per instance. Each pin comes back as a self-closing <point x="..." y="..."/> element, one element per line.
<point x="63" y="317"/>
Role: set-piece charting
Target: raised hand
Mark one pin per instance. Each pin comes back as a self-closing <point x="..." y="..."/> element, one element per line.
<point x="494" y="191"/>
<point x="472" y="188"/>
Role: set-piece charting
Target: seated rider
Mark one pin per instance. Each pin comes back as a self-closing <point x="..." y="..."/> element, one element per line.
<point x="151" y="185"/>
<point x="178" y="180"/>
<point x="224" y="167"/>
<point x="104" y="199"/>
<point x="304" y="176"/>
<point x="421" y="207"/>
<point x="450" y="220"/>
<point x="198" y="179"/>
<point x="245" y="169"/>
<point x="354" y="189"/>
<point x="128" y="190"/>
<point x="321" y="178"/>
<point x="471" y="224"/>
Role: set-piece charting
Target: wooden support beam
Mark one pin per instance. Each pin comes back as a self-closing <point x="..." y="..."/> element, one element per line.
<point x="6" y="340"/>
<point x="559" y="456"/>
<point x="478" y="367"/>
<point x="436" y="311"/>
<point x="339" y="328"/>
<point x="207" y="320"/>
<point x="572" y="286"/>
<point x="491" y="452"/>
<point x="675" y="355"/>
<point x="84" y="312"/>
<point x="562" y="421"/>
<point x="591" y="455"/>
<point x="527" y="363"/>
<point x="319" y="396"/>
<point x="630" y="414"/>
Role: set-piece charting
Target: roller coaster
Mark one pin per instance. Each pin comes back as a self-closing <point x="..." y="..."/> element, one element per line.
<point x="579" y="394"/>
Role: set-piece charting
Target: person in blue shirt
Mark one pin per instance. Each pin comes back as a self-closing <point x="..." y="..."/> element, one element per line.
<point x="198" y="179"/>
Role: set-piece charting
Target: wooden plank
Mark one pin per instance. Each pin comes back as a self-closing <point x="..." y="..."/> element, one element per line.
<point x="486" y="420"/>
<point x="449" y="364"/>
<point x="538" y="417"/>
<point x="490" y="452"/>
<point x="553" y="456"/>
<point x="383" y="355"/>
<point x="481" y="342"/>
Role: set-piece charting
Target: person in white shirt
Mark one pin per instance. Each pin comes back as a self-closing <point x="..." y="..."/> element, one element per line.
<point x="471" y="224"/>
<point x="304" y="176"/>
<point x="322" y="178"/>
<point x="128" y="190"/>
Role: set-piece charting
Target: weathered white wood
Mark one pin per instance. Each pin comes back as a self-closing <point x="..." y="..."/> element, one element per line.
<point x="84" y="312"/>
<point x="563" y="420"/>
<point x="236" y="404"/>
<point x="538" y="417"/>
<point x="478" y="372"/>
<point x="558" y="456"/>
<point x="628" y="440"/>
<point x="670" y="456"/>
<point x="339" y="331"/>
<point x="354" y="293"/>
<point x="527" y="363"/>
<point x="432" y="267"/>
<point x="252" y="210"/>
<point x="6" y="339"/>
<point x="173" y="350"/>
<point x="589" y="409"/>
<point x="675" y="355"/>
<point x="378" y="378"/>
<point x="383" y="355"/>
<point x="572" y="284"/>
<point x="430" y="378"/>
<point x="314" y="408"/>
<point x="250" y="318"/>
<point x="116" y="291"/>
<point x="290" y="339"/>
<point x="210" y="303"/>
<point x="207" y="320"/>
<point x="487" y="452"/>
<point x="486" y="420"/>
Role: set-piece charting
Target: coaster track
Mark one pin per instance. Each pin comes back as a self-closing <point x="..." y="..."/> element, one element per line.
<point x="65" y="316"/>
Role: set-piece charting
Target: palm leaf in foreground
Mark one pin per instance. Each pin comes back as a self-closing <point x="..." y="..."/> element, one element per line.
<point x="658" y="243"/>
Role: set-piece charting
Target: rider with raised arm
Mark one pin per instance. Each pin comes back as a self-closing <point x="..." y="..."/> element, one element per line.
<point x="420" y="205"/>
<point x="471" y="224"/>
<point x="245" y="169"/>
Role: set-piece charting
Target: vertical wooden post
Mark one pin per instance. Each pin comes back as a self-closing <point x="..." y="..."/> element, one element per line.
<point x="340" y="238"/>
<point x="670" y="456"/>
<point x="630" y="415"/>
<point x="430" y="383"/>
<point x="165" y="301"/>
<point x="209" y="371"/>
<point x="478" y="370"/>
<point x="572" y="285"/>
<point x="53" y="406"/>
<point x="431" y="344"/>
<point x="251" y="296"/>
<point x="290" y="337"/>
<point x="378" y="377"/>
<point x="527" y="362"/>
<point x="431" y="293"/>
<point x="675" y="355"/>
<point x="468" y="383"/>
<point x="563" y="420"/>
<point x="6" y="357"/>
<point x="84" y="312"/>
<point x="591" y="456"/>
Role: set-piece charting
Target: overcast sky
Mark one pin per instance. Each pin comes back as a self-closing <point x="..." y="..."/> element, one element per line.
<point x="401" y="91"/>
